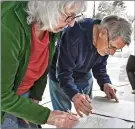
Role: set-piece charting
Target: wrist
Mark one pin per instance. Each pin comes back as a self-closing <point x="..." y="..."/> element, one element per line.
<point x="76" y="96"/>
<point x="106" y="86"/>
<point x="50" y="120"/>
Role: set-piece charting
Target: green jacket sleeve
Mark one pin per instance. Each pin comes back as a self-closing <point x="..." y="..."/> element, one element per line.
<point x="12" y="103"/>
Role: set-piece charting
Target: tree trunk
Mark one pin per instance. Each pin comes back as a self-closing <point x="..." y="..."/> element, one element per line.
<point x="94" y="10"/>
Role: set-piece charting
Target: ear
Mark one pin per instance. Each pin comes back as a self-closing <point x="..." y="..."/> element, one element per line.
<point x="103" y="33"/>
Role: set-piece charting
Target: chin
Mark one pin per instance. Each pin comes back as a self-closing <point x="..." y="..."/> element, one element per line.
<point x="58" y="30"/>
<point x="101" y="53"/>
<point x="54" y="31"/>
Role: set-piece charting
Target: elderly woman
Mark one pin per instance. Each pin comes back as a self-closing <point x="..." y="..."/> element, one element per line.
<point x="28" y="43"/>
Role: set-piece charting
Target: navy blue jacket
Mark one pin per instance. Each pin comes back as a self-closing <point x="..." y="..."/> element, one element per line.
<point x="77" y="56"/>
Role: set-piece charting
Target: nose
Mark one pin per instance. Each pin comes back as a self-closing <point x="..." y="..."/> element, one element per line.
<point x="71" y="24"/>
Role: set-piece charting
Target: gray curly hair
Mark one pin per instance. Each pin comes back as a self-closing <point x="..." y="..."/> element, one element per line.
<point x="47" y="13"/>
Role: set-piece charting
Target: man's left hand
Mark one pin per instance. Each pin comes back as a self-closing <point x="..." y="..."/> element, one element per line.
<point x="110" y="92"/>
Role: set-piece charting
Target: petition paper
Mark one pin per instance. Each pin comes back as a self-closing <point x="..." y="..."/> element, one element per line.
<point x="96" y="121"/>
<point x="123" y="109"/>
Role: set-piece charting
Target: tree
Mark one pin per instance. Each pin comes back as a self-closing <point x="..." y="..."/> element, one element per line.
<point x="116" y="7"/>
<point x="119" y="3"/>
<point x="104" y="9"/>
<point x="94" y="10"/>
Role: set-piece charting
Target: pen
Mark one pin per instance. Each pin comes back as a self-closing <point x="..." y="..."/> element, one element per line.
<point x="84" y="95"/>
<point x="69" y="111"/>
<point x="82" y="91"/>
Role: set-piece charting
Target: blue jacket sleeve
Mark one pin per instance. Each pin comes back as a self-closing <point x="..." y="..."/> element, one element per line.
<point x="100" y="73"/>
<point x="67" y="54"/>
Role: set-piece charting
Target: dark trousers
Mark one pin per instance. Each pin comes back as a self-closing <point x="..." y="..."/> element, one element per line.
<point x="130" y="68"/>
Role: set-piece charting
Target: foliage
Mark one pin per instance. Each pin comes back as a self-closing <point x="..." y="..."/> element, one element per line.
<point x="116" y="7"/>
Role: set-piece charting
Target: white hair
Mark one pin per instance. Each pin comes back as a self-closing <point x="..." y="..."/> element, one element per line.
<point x="118" y="27"/>
<point x="47" y="13"/>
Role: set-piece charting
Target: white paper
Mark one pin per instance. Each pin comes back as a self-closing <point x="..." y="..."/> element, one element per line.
<point x="96" y="121"/>
<point x="123" y="109"/>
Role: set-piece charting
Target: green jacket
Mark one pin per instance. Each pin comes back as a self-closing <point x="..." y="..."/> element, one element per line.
<point x="16" y="39"/>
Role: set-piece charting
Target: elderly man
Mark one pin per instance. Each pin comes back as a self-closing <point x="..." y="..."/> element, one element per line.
<point x="81" y="50"/>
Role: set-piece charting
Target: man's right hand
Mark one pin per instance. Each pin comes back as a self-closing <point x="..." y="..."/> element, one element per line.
<point x="82" y="104"/>
<point x="62" y="119"/>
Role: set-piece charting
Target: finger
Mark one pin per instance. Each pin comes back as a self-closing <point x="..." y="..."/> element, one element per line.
<point x="73" y="117"/>
<point x="87" y="98"/>
<point x="115" y="90"/>
<point x="84" y="110"/>
<point x="114" y="95"/>
<point x="73" y="113"/>
<point x="87" y="104"/>
<point x="83" y="102"/>
<point x="79" y="112"/>
<point x="72" y="124"/>
<point x="87" y="109"/>
<point x="108" y="95"/>
<point x="111" y="94"/>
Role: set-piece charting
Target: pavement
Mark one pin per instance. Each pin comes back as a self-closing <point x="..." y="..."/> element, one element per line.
<point x="117" y="72"/>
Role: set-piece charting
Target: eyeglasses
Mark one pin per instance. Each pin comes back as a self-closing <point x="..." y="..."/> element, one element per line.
<point x="71" y="18"/>
<point x="109" y="46"/>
